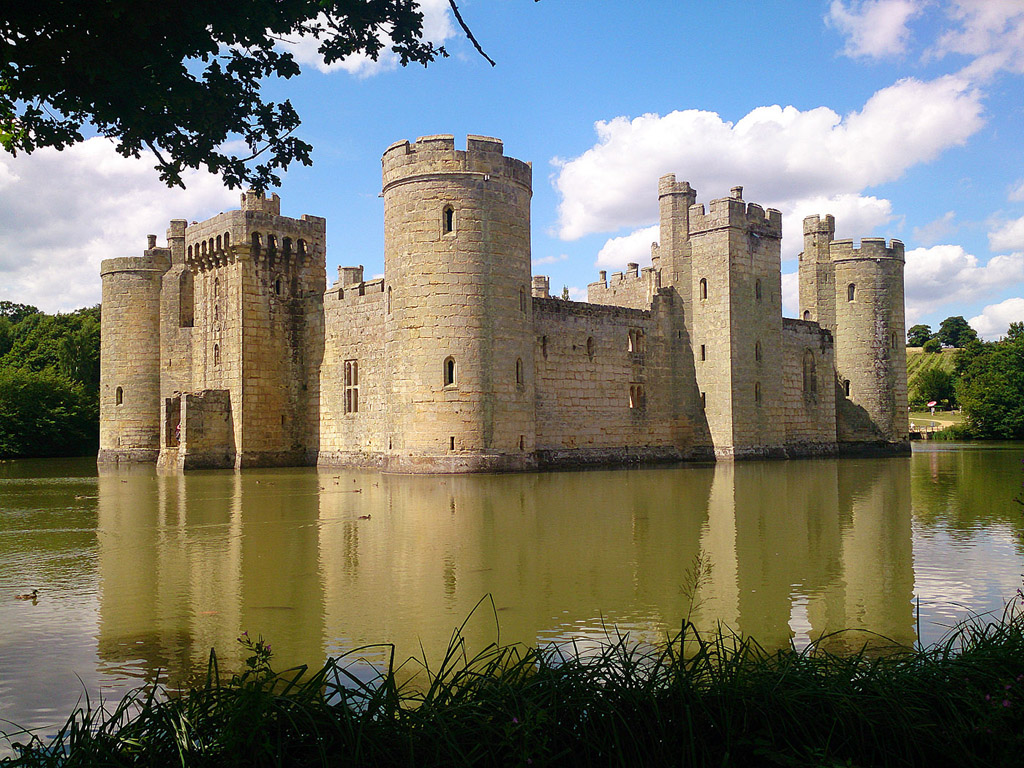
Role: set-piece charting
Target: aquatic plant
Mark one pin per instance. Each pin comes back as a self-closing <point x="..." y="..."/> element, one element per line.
<point x="698" y="699"/>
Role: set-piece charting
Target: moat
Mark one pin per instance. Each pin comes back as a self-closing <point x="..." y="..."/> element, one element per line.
<point x="140" y="573"/>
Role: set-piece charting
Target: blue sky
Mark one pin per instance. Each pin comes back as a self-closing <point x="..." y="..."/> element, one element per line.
<point x="903" y="118"/>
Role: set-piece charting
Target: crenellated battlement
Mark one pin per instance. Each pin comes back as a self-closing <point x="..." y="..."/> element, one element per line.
<point x="254" y="201"/>
<point x="428" y="156"/>
<point x="817" y="225"/>
<point x="733" y="211"/>
<point x="870" y="248"/>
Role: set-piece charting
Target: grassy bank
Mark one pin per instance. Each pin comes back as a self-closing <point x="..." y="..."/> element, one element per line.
<point x="697" y="701"/>
<point x="919" y="361"/>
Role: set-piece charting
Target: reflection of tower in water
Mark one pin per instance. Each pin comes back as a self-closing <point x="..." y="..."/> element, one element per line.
<point x="189" y="562"/>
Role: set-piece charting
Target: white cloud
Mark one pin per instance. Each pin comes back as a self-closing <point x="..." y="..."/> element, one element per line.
<point x="437" y="28"/>
<point x="1008" y="237"/>
<point x="934" y="231"/>
<point x="791" y="294"/>
<point x="995" y="319"/>
<point x="873" y="28"/>
<point x="856" y="216"/>
<point x="550" y="259"/>
<point x="947" y="274"/>
<point x="783" y="156"/>
<point x="62" y="212"/>
<point x="1016" y="193"/>
<point x="632" y="248"/>
<point x="990" y="31"/>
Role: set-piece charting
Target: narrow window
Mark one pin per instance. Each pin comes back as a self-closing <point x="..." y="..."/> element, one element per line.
<point x="119" y="396"/>
<point x="302" y="247"/>
<point x="451" y="443"/>
<point x="216" y="354"/>
<point x="277" y="286"/>
<point x="220" y="246"/>
<point x="807" y="314"/>
<point x="351" y="386"/>
<point x="282" y="419"/>
<point x="519" y="370"/>
<point x="757" y="351"/>
<point x="287" y="246"/>
<point x="448" y="220"/>
<point x="190" y="251"/>
<point x="703" y="288"/>
<point x="635" y="343"/>
<point x="522" y="442"/>
<point x="703" y="399"/>
<point x="212" y="249"/>
<point x="257" y="241"/>
<point x="544" y="346"/>
<point x="810" y="373"/>
<point x="271" y="242"/>
<point x="522" y="300"/>
<point x="216" y="312"/>
<point x="449" y="371"/>
<point x="851" y="292"/>
<point x="703" y="353"/>
<point x="216" y="287"/>
<point x="186" y="300"/>
<point x="757" y="392"/>
<point x="203" y="248"/>
<point x="227" y="239"/>
<point x="757" y="290"/>
<point x="892" y="341"/>
<point x="846" y="387"/>
<point x="389" y="299"/>
<point x="636" y="395"/>
<point x="590" y="347"/>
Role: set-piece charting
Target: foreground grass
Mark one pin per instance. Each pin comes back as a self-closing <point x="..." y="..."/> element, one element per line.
<point x="696" y="701"/>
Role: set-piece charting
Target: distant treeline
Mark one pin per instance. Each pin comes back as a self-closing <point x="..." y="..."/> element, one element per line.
<point x="49" y="381"/>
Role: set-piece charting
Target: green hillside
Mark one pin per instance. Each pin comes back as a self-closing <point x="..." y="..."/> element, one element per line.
<point x="918" y="362"/>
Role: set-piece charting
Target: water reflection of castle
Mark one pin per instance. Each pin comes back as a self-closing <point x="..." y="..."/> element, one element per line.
<point x="797" y="549"/>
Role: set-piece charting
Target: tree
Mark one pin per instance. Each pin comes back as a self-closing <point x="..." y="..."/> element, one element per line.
<point x="918" y="335"/>
<point x="565" y="292"/>
<point x="955" y="332"/>
<point x="990" y="388"/>
<point x="932" y="346"/>
<point x="180" y="79"/>
<point x="43" y="413"/>
<point x="934" y="384"/>
<point x="16" y="312"/>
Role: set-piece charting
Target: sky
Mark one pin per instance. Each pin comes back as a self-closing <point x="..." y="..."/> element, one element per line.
<point x="903" y="118"/>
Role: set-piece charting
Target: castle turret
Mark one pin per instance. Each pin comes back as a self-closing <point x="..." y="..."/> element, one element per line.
<point x="674" y="201"/>
<point x="736" y="323"/>
<point x="817" y="276"/>
<point x="459" y="336"/>
<point x="130" y="356"/>
<point x="870" y="350"/>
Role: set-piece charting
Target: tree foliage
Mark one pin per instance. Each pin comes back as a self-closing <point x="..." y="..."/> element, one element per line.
<point x="918" y="335"/>
<point x="956" y="332"/>
<point x="934" y="384"/>
<point x="49" y="383"/>
<point x="932" y="345"/>
<point x="990" y="388"/>
<point x="181" y="79"/>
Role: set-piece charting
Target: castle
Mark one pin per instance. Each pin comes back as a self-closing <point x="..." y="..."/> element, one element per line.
<point x="226" y="347"/>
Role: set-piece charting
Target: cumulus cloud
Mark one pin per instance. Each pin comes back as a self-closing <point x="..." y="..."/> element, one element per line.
<point x="633" y="248"/>
<point x="995" y="319"/>
<point x="62" y="212"/>
<point x="550" y="259"/>
<point x="990" y="31"/>
<point x="947" y="274"/>
<point x="934" y="231"/>
<point x="784" y="156"/>
<point x="873" y="28"/>
<point x="1008" y="236"/>
<point x="437" y="28"/>
<point x="791" y="294"/>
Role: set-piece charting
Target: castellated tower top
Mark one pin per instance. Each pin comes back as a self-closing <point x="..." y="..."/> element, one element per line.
<point x="430" y="155"/>
<point x="732" y="211"/>
<point x="253" y="201"/>
<point x="816" y="225"/>
<point x="873" y="248"/>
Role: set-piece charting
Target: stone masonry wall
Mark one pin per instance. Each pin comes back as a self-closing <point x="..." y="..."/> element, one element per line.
<point x="808" y="388"/>
<point x="635" y="288"/>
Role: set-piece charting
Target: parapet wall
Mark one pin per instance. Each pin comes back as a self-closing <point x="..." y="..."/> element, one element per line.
<point x="634" y="288"/>
<point x="870" y="248"/>
<point x="734" y="212"/>
<point x="437" y="155"/>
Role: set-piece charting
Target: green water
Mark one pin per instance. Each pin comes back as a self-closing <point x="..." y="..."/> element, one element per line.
<point x="141" y="574"/>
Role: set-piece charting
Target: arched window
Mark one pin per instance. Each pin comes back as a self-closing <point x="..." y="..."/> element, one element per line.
<point x="757" y="392"/>
<point x="757" y="351"/>
<point x="216" y="287"/>
<point x="757" y="290"/>
<point x="216" y="312"/>
<point x="186" y="300"/>
<point x="271" y="242"/>
<point x="636" y="396"/>
<point x="448" y="220"/>
<point x="807" y="314"/>
<point x="257" y="241"/>
<point x="220" y="246"/>
<point x="846" y="387"/>
<point x="216" y="354"/>
<point x="590" y="347"/>
<point x="277" y="286"/>
<point x="227" y="239"/>
<point x="287" y="245"/>
<point x="119" y="396"/>
<point x="449" y="371"/>
<point x="190" y="251"/>
<point x="519" y="370"/>
<point x="810" y="373"/>
<point x="703" y="288"/>
<point x="302" y="247"/>
<point x="851" y="292"/>
<point x="203" y="247"/>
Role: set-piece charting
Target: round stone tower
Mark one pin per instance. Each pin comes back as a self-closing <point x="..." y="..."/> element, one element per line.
<point x="870" y="333"/>
<point x="130" y="356"/>
<point x="458" y="323"/>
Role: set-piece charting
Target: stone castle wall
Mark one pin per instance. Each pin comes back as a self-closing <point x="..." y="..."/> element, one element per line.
<point x="809" y="394"/>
